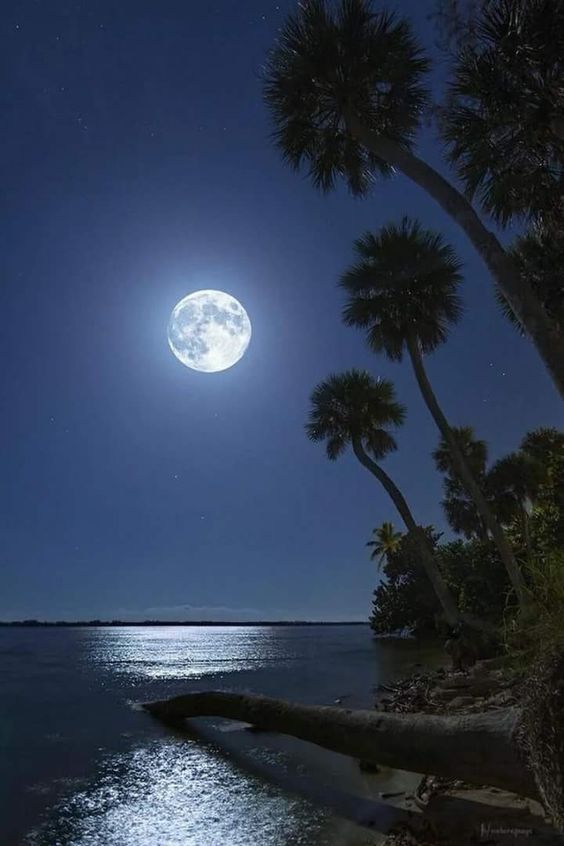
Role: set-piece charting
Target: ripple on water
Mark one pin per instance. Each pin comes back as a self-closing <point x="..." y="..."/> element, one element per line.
<point x="178" y="652"/>
<point x="178" y="794"/>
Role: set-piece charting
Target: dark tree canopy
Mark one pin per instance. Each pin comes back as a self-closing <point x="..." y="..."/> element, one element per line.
<point x="456" y="23"/>
<point x="403" y="285"/>
<point x="329" y="63"/>
<point x="475" y="451"/>
<point x="459" y="508"/>
<point x="539" y="256"/>
<point x="514" y="482"/>
<point x="384" y="541"/>
<point x="524" y="485"/>
<point x="405" y="599"/>
<point x="354" y="405"/>
<point x="504" y="119"/>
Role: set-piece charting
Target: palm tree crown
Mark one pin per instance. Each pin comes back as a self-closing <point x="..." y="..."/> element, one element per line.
<point x="514" y="481"/>
<point x="543" y="444"/>
<point x="385" y="541"/>
<point x="460" y="510"/>
<point x="404" y="285"/>
<point x="475" y="451"/>
<point x="353" y="406"/>
<point x="332" y="62"/>
<point x="539" y="256"/>
<point x="504" y="121"/>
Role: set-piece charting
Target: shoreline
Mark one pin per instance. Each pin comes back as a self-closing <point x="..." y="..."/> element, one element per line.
<point x="416" y="808"/>
<point x="458" y="812"/>
<point x="356" y="799"/>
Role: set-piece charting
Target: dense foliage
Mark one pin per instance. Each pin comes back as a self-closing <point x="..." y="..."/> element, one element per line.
<point x="328" y="63"/>
<point x="405" y="600"/>
<point x="527" y="490"/>
<point x="504" y="124"/>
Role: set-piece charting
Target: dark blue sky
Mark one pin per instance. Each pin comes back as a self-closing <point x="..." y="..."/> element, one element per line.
<point x="137" y="168"/>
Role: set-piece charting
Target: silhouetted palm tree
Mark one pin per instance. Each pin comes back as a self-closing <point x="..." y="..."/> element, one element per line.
<point x="475" y="452"/>
<point x="543" y="445"/>
<point x="346" y="92"/>
<point x="505" y="117"/>
<point x="404" y="291"/>
<point x="539" y="257"/>
<point x="385" y="541"/>
<point x="354" y="409"/>
<point x="460" y="509"/>
<point x="514" y="482"/>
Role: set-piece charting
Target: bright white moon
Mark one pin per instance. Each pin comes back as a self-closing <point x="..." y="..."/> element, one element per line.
<point x="209" y="331"/>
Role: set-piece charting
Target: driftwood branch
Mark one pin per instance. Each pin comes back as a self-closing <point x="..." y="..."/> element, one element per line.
<point x="478" y="748"/>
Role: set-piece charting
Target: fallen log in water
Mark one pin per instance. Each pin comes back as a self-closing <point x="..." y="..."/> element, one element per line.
<point x="519" y="749"/>
<point x="478" y="748"/>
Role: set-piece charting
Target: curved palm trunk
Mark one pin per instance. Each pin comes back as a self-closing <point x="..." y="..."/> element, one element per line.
<point x="528" y="309"/>
<point x="479" y="748"/>
<point x="440" y="587"/>
<point x="466" y="476"/>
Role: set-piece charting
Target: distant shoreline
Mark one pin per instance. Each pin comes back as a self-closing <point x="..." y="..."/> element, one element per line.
<point x="33" y="624"/>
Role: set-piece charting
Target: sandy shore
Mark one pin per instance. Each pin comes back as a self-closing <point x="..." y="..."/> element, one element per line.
<point x="454" y="812"/>
<point x="364" y="804"/>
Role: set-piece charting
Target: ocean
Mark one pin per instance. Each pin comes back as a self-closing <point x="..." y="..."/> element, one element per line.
<point x="80" y="765"/>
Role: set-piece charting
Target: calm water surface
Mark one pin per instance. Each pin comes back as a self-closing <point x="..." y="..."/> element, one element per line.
<point x="80" y="766"/>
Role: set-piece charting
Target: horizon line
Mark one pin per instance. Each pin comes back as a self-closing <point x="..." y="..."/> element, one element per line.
<point x="33" y="623"/>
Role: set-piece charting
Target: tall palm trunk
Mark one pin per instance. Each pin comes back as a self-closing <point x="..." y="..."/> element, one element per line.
<point x="466" y="476"/>
<point x="440" y="587"/>
<point x="527" y="308"/>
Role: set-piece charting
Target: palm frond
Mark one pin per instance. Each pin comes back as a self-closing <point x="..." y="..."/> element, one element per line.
<point x="512" y="481"/>
<point x="403" y="284"/>
<point x="354" y="405"/>
<point x="386" y="541"/>
<point x="502" y="123"/>
<point x="474" y="449"/>
<point x="331" y="61"/>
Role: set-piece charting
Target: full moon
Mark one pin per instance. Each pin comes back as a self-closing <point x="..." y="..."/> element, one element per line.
<point x="209" y="331"/>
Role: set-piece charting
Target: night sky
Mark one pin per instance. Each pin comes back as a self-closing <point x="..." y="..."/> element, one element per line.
<point x="137" y="168"/>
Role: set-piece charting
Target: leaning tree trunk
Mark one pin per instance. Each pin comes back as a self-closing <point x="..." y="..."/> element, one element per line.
<point x="520" y="296"/>
<point x="440" y="587"/>
<point x="466" y="476"/>
<point x="516" y="749"/>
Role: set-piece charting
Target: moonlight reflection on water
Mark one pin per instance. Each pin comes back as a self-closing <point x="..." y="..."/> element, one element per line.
<point x="87" y="769"/>
<point x="178" y="793"/>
